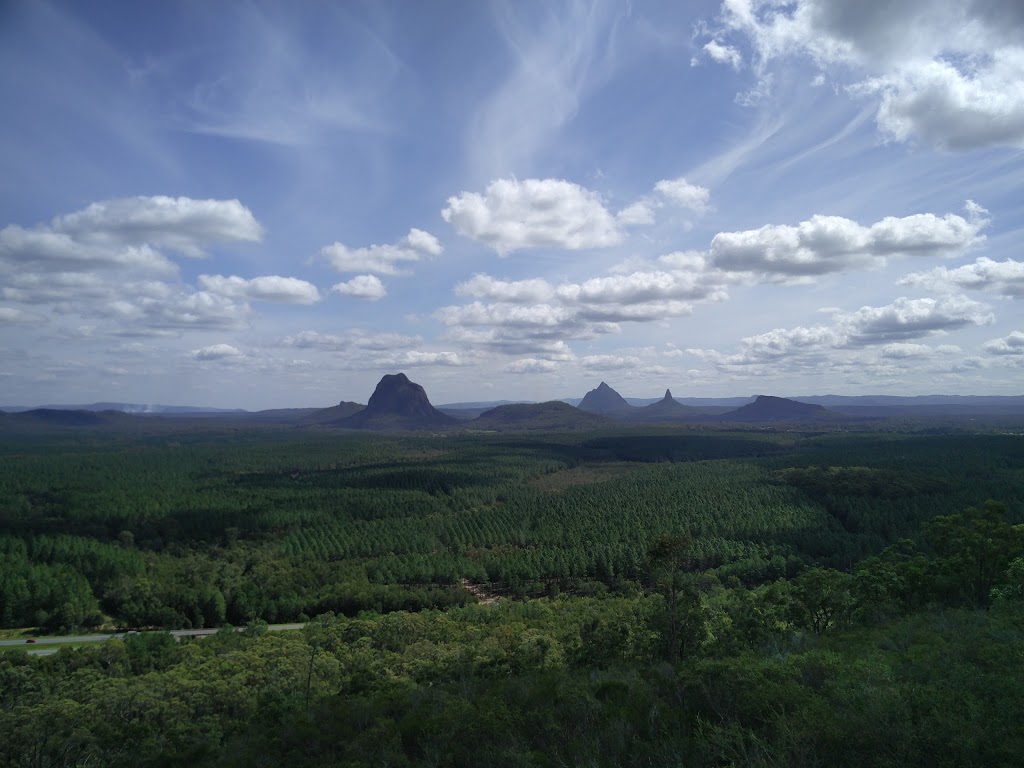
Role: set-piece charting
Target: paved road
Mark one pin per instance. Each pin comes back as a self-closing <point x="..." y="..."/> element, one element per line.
<point x="177" y="633"/>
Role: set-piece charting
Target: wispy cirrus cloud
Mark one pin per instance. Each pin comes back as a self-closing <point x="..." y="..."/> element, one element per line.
<point x="555" y="63"/>
<point x="256" y="77"/>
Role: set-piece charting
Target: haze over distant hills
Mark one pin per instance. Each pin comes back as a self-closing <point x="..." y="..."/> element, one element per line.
<point x="666" y="409"/>
<point x="553" y="415"/>
<point x="135" y="408"/>
<point x="400" y="404"/>
<point x="768" y="408"/>
<point x="837" y="402"/>
<point x="342" y="410"/>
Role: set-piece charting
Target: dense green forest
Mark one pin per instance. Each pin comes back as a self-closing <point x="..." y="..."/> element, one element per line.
<point x="669" y="597"/>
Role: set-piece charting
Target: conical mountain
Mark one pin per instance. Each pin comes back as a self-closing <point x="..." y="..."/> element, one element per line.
<point x="768" y="408"/>
<point x="397" y="403"/>
<point x="605" y="400"/>
<point x="666" y="409"/>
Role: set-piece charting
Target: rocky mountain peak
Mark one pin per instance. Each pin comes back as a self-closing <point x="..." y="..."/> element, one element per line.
<point x="398" y="403"/>
<point x="604" y="399"/>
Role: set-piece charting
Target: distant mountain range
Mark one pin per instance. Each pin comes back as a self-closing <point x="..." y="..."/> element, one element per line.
<point x="666" y="409"/>
<point x="400" y="404"/>
<point x="135" y="408"/>
<point x="553" y="416"/>
<point x="829" y="401"/>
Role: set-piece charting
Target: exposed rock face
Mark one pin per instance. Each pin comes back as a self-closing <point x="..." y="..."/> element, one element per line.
<point x="605" y="400"/>
<point x="767" y="408"/>
<point x="397" y="403"/>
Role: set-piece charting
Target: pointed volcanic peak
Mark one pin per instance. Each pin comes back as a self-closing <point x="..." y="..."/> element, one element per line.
<point x="552" y="416"/>
<point x="666" y="409"/>
<point x="397" y="404"/>
<point x="605" y="401"/>
<point x="767" y="408"/>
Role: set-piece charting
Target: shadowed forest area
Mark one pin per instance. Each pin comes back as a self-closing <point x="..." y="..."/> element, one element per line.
<point x="667" y="597"/>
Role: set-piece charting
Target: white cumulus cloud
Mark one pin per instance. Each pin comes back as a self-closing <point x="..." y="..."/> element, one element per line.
<point x="637" y="214"/>
<point x="178" y="223"/>
<point x="362" y="287"/>
<point x="530" y="365"/>
<point x="913" y="318"/>
<point x="826" y="244"/>
<point x="354" y="339"/>
<point x="948" y="71"/>
<point x="724" y="54"/>
<point x="640" y="287"/>
<point x="1013" y="344"/>
<point x="482" y="286"/>
<point x="514" y="215"/>
<point x="892" y="328"/>
<point x="416" y="358"/>
<point x="1004" y="277"/>
<point x="273" y="288"/>
<point x="684" y="194"/>
<point x="217" y="352"/>
<point x="609" y="362"/>
<point x="506" y="315"/>
<point x="43" y="250"/>
<point x="103" y="268"/>
<point x="523" y="312"/>
<point x="904" y="351"/>
<point x="383" y="259"/>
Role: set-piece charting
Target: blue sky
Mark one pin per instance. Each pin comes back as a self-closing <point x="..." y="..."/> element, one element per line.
<point x="263" y="204"/>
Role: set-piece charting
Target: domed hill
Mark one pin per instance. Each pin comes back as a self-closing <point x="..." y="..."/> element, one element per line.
<point x="552" y="416"/>
<point x="767" y="408"/>
<point x="342" y="410"/>
<point x="666" y="409"/>
<point x="606" y="401"/>
<point x="395" y="404"/>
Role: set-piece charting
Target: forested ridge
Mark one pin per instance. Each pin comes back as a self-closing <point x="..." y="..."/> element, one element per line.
<point x="672" y="597"/>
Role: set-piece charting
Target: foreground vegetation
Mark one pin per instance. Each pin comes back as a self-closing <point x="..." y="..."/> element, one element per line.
<point x="671" y="598"/>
